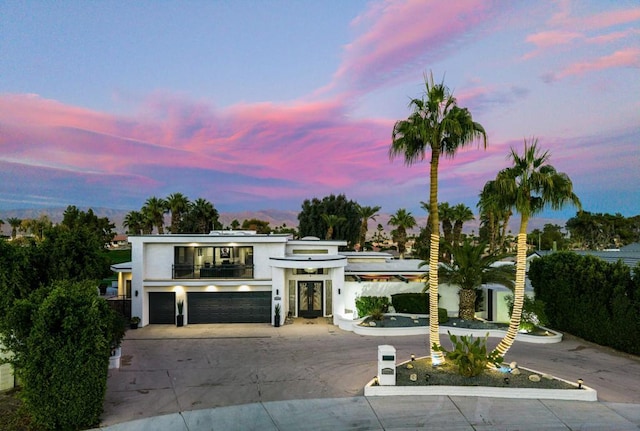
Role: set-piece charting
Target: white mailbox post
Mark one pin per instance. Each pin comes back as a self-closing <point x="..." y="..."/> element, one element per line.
<point x="386" y="365"/>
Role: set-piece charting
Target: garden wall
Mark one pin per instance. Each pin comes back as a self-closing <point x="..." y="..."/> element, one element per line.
<point x="590" y="298"/>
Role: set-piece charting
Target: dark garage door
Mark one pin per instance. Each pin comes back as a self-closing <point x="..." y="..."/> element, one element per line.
<point x="162" y="307"/>
<point x="229" y="307"/>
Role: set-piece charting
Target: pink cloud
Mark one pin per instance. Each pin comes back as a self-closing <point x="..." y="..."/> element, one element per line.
<point x="397" y="37"/>
<point x="629" y="57"/>
<point x="546" y="39"/>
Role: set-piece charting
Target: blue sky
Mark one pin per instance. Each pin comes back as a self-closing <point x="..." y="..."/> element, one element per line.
<point x="261" y="104"/>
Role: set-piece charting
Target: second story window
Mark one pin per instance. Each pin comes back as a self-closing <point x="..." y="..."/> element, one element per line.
<point x="213" y="262"/>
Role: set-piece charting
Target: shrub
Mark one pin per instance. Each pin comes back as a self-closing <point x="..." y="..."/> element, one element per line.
<point x="590" y="298"/>
<point x="469" y="355"/>
<point x="368" y="304"/>
<point x="412" y="303"/>
<point x="443" y="315"/>
<point x="533" y="314"/>
<point x="64" y="374"/>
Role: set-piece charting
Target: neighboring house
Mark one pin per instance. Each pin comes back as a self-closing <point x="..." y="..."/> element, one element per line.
<point x="240" y="276"/>
<point x="629" y="254"/>
<point x="119" y="241"/>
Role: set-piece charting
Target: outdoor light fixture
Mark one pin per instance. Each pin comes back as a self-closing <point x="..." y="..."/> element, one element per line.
<point x="136" y="293"/>
<point x="277" y="292"/>
<point x="580" y="382"/>
<point x="427" y="377"/>
<point x="413" y="357"/>
<point x="506" y="380"/>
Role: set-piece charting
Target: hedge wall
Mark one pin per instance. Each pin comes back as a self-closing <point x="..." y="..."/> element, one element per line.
<point x="590" y="298"/>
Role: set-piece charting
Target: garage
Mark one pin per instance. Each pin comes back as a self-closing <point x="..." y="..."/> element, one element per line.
<point x="162" y="308"/>
<point x="229" y="307"/>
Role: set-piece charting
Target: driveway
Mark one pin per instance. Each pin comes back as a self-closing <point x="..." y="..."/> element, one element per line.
<point x="167" y="369"/>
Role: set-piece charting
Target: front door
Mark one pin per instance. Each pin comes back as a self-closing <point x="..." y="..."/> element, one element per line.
<point x="310" y="299"/>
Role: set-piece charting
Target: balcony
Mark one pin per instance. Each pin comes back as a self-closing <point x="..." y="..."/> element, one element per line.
<point x="226" y="270"/>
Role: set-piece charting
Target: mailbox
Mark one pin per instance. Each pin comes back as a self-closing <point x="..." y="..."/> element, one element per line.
<point x="386" y="365"/>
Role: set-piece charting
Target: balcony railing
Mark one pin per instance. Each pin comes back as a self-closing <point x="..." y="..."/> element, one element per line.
<point x="226" y="270"/>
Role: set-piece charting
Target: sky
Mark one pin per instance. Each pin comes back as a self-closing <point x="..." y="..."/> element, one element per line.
<point x="259" y="105"/>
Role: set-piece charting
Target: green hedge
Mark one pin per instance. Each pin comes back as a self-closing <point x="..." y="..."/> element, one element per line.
<point x="412" y="303"/>
<point x="366" y="305"/>
<point x="590" y="298"/>
<point x="64" y="374"/>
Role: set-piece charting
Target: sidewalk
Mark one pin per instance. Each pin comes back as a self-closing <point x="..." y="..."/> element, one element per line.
<point x="396" y="413"/>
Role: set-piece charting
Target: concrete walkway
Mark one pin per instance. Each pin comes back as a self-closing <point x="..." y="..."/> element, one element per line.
<point x="310" y="375"/>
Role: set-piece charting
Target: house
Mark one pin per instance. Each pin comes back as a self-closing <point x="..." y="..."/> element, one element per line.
<point x="242" y="276"/>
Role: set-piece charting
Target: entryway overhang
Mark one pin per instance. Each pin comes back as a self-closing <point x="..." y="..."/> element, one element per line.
<point x="303" y="262"/>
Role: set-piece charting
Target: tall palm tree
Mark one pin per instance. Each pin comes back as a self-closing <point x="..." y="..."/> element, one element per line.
<point x="204" y="214"/>
<point x="15" y="223"/>
<point x="470" y="268"/>
<point x="438" y="124"/>
<point x="178" y="204"/>
<point x="155" y="209"/>
<point x="133" y="221"/>
<point x="366" y="213"/>
<point x="461" y="214"/>
<point x="331" y="220"/>
<point x="402" y="220"/>
<point x="531" y="184"/>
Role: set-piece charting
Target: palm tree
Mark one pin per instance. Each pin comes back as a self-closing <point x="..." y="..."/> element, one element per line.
<point x="366" y="214"/>
<point x="495" y="213"/>
<point x="154" y="209"/>
<point x="331" y="220"/>
<point x="15" y="223"/>
<point x="204" y="214"/>
<point x="402" y="220"/>
<point x="178" y="204"/>
<point x="133" y="221"/>
<point x="531" y="184"/>
<point x="437" y="123"/>
<point x="470" y="268"/>
<point x="461" y="214"/>
<point x="446" y="214"/>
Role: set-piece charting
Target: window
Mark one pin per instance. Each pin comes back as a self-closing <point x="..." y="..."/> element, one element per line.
<point x="223" y="261"/>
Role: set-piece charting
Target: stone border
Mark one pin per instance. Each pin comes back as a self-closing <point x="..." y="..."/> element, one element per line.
<point x="353" y="325"/>
<point x="584" y="394"/>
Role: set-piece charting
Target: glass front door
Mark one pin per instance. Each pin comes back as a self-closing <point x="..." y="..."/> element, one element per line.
<point x="310" y="299"/>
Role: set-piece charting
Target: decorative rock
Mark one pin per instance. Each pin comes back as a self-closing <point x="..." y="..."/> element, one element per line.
<point x="513" y="365"/>
<point x="413" y="377"/>
<point x="409" y="366"/>
<point x="416" y="321"/>
<point x="534" y="378"/>
<point x="392" y="318"/>
<point x="547" y="376"/>
<point x="515" y="372"/>
<point x="414" y="317"/>
<point x="372" y="323"/>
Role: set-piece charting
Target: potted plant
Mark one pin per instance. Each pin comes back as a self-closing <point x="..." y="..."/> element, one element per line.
<point x="180" y="317"/>
<point x="276" y="320"/>
<point x="134" y="322"/>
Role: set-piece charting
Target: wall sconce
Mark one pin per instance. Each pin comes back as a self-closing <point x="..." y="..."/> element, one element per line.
<point x="136" y="293"/>
<point x="338" y="291"/>
<point x="277" y="292"/>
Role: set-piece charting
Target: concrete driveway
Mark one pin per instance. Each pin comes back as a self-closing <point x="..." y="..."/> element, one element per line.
<point x="167" y="369"/>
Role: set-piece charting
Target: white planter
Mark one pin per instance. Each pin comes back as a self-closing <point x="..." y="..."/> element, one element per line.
<point x="114" y="361"/>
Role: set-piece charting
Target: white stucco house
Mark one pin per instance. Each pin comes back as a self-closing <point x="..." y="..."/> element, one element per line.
<point x="242" y="276"/>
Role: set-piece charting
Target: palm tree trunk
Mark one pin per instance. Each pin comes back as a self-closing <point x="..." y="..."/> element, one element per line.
<point x="467" y="307"/>
<point x="437" y="357"/>
<point x="518" y="294"/>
